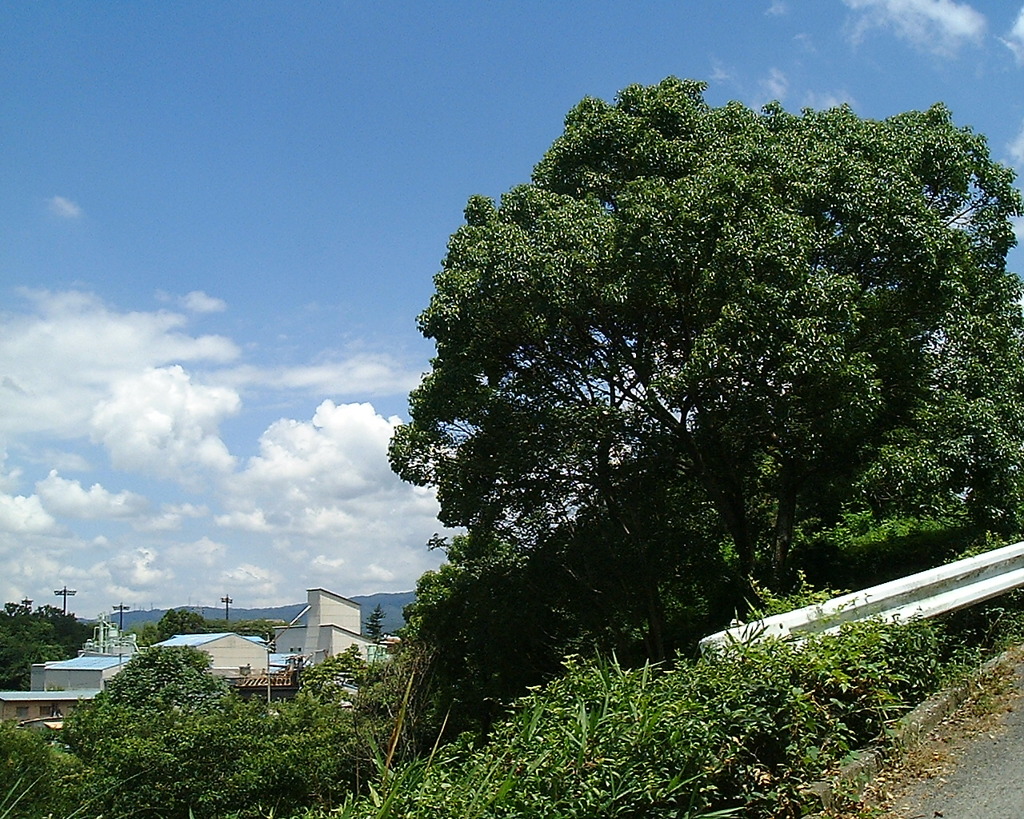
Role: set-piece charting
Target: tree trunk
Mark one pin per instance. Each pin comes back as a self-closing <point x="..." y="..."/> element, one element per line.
<point x="785" y="520"/>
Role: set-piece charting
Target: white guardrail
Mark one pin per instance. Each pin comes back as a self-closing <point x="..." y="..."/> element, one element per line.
<point x="926" y="594"/>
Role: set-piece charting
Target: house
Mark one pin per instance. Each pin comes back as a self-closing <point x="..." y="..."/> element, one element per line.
<point x="328" y="625"/>
<point x="231" y="655"/>
<point x="47" y="708"/>
<point x="77" y="673"/>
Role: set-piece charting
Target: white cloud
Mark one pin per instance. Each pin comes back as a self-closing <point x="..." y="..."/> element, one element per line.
<point x="9" y="477"/>
<point x="67" y="498"/>
<point x="203" y="552"/>
<point x="25" y="515"/>
<point x="256" y="580"/>
<point x="720" y="72"/>
<point x="161" y="423"/>
<point x="777" y="7"/>
<point x="775" y="85"/>
<point x="822" y="101"/>
<point x="82" y="382"/>
<point x="1016" y="148"/>
<point x="340" y="453"/>
<point x="63" y="208"/>
<point x="940" y="26"/>
<point x="324" y="491"/>
<point x="1014" y="40"/>
<point x="141" y="570"/>
<point x="359" y="374"/>
<point x="198" y="302"/>
<point x="171" y="517"/>
<point x="65" y="355"/>
<point x="29" y="569"/>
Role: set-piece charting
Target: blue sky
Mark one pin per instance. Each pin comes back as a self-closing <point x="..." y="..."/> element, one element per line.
<point x="220" y="221"/>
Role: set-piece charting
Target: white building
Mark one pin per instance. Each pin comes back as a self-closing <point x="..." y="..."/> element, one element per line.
<point x="329" y="625"/>
<point x="76" y="673"/>
<point x="231" y="655"/>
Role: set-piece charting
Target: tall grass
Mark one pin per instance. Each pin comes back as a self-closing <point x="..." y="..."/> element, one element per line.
<point x="738" y="735"/>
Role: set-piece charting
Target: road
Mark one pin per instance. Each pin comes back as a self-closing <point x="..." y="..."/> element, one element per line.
<point x="967" y="774"/>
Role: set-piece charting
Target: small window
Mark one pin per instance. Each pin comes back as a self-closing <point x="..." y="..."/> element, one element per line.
<point x="21" y="712"/>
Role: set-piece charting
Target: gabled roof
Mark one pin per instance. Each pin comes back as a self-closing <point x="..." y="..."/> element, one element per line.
<point x="196" y="640"/>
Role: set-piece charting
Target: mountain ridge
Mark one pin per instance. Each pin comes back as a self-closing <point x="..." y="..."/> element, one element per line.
<point x="391" y="602"/>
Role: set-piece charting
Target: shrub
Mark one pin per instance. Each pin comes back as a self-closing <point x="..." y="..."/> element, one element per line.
<point x="743" y="731"/>
<point x="30" y="774"/>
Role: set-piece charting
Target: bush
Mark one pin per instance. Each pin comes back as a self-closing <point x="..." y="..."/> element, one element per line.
<point x="743" y="731"/>
<point x="30" y="774"/>
<point x="245" y="760"/>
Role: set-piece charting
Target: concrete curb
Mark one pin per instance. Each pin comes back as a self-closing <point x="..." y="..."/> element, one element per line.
<point x="909" y="733"/>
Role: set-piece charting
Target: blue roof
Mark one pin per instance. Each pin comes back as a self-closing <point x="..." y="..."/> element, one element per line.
<point x="98" y="663"/>
<point x="195" y="640"/>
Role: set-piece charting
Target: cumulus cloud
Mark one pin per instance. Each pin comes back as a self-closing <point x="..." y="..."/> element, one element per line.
<point x="777" y="7"/>
<point x="198" y="302"/>
<point x="140" y="570"/>
<point x="67" y="498"/>
<point x="202" y="552"/>
<point x="161" y="423"/>
<point x="25" y="515"/>
<point x="65" y="354"/>
<point x="1014" y="40"/>
<point x="30" y="569"/>
<point x="316" y="505"/>
<point x="323" y="490"/>
<point x="63" y="208"/>
<point x="9" y="476"/>
<point x="339" y="454"/>
<point x="940" y="26"/>
<point x="171" y="517"/>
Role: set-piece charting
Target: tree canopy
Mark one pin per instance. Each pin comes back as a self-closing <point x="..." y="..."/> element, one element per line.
<point x="180" y="621"/>
<point x="162" y="677"/>
<point x="699" y="331"/>
<point x="38" y="636"/>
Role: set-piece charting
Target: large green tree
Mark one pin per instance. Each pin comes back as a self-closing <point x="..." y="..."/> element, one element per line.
<point x="181" y="621"/>
<point x="38" y="636"/>
<point x="699" y="327"/>
<point x="167" y="677"/>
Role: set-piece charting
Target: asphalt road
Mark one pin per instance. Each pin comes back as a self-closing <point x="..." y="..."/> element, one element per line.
<point x="982" y="776"/>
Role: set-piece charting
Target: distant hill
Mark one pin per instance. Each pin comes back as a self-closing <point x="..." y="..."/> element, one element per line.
<point x="391" y="602"/>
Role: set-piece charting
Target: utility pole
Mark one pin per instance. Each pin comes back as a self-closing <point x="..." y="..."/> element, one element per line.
<point x="65" y="593"/>
<point x="227" y="601"/>
<point x="120" y="608"/>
